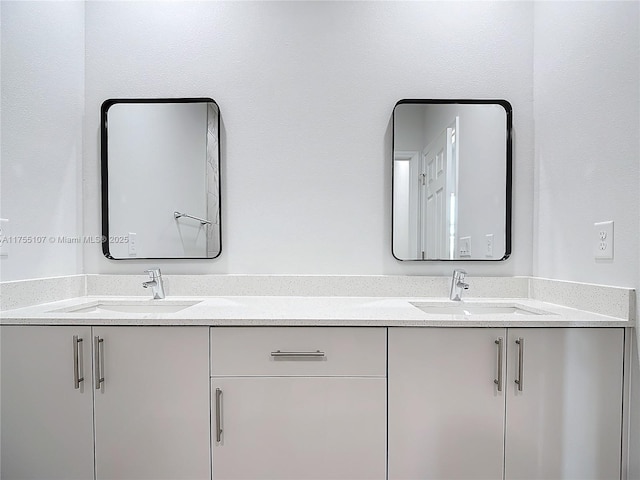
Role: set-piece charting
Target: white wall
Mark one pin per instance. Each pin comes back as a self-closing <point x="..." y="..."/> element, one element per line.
<point x="586" y="90"/>
<point x="306" y="91"/>
<point x="409" y="127"/>
<point x="42" y="112"/>
<point x="587" y="124"/>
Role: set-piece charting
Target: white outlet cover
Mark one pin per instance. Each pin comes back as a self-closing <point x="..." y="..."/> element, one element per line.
<point x="603" y="240"/>
<point x="133" y="244"/>
<point x="488" y="245"/>
<point x="465" y="246"/>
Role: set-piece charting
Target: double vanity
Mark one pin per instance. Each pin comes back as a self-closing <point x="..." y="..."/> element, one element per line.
<point x="315" y="387"/>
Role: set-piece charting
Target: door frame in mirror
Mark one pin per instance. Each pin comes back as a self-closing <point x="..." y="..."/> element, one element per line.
<point x="104" y="171"/>
<point x="508" y="172"/>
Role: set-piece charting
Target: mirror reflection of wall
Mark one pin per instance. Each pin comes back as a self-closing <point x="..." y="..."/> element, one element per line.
<point x="451" y="180"/>
<point x="161" y="179"/>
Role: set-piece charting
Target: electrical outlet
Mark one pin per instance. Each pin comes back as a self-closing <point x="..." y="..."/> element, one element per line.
<point x="133" y="244"/>
<point x="488" y="245"/>
<point x="603" y="240"/>
<point x="465" y="246"/>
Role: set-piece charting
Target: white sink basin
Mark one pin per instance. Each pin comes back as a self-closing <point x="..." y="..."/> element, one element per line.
<point x="477" y="309"/>
<point x="131" y="306"/>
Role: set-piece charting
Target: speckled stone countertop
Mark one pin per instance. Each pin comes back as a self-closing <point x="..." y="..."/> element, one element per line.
<point x="305" y="311"/>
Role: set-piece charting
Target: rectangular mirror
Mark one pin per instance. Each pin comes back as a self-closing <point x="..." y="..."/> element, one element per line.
<point x="451" y="180"/>
<point x="160" y="178"/>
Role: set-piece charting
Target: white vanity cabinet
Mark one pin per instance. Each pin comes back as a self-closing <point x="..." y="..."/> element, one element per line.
<point x="446" y="413"/>
<point x="46" y="422"/>
<point x="298" y="403"/>
<point x="562" y="420"/>
<point x="150" y="411"/>
<point x="310" y="403"/>
<point x="566" y="422"/>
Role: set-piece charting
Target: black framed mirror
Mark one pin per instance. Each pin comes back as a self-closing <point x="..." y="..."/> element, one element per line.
<point x="160" y="178"/>
<point x="451" y="188"/>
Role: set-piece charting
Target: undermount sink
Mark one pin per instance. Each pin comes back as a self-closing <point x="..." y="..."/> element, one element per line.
<point x="130" y="306"/>
<point x="477" y="309"/>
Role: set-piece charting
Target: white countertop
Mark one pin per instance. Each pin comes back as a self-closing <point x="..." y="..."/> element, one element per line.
<point x="306" y="311"/>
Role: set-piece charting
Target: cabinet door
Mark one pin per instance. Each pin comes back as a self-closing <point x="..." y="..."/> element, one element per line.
<point x="47" y="423"/>
<point x="446" y="413"/>
<point x="299" y="428"/>
<point x="152" y="410"/>
<point x="565" y="423"/>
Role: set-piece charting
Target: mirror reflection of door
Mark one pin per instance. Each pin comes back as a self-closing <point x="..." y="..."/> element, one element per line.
<point x="437" y="196"/>
<point x="425" y="186"/>
<point x="438" y="184"/>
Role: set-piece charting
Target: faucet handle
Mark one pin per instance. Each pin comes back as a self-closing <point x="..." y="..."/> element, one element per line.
<point x="154" y="272"/>
<point x="459" y="278"/>
<point x="458" y="284"/>
<point x="459" y="274"/>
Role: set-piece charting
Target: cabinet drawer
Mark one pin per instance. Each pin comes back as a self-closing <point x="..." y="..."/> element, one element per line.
<point x="298" y="351"/>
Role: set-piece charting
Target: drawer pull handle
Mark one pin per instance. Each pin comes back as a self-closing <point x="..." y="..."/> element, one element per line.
<point x="498" y="381"/>
<point x="520" y="343"/>
<point x="97" y="343"/>
<point x="218" y="415"/>
<point x="281" y="354"/>
<point x="76" y="363"/>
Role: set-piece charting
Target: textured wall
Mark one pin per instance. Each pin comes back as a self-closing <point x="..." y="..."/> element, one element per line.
<point x="42" y="113"/>
<point x="306" y="91"/>
<point x="587" y="96"/>
<point x="587" y="124"/>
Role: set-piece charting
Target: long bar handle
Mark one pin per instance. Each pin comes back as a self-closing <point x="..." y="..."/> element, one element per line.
<point x="280" y="354"/>
<point x="498" y="381"/>
<point x="202" y="221"/>
<point x="218" y="415"/>
<point x="76" y="363"/>
<point x="97" y="342"/>
<point x="520" y="343"/>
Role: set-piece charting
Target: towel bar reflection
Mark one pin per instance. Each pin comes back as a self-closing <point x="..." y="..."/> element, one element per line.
<point x="202" y="221"/>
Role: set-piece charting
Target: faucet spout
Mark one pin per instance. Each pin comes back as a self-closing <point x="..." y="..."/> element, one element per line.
<point x="155" y="283"/>
<point x="458" y="285"/>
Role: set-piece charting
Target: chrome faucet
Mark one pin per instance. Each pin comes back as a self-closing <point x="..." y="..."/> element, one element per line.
<point x="457" y="285"/>
<point x="155" y="282"/>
